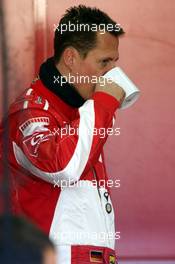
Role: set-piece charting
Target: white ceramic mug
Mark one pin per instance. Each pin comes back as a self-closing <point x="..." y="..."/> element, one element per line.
<point x="118" y="76"/>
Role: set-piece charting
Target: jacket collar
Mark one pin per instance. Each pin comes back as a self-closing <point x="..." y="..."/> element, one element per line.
<point x="50" y="76"/>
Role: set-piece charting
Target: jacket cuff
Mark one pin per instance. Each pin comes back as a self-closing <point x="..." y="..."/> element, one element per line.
<point x="109" y="102"/>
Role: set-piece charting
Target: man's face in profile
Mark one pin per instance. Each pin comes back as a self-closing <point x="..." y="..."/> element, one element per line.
<point x="97" y="62"/>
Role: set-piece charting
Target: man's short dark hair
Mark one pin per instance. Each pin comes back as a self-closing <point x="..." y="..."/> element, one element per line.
<point x="82" y="17"/>
<point x="21" y="241"/>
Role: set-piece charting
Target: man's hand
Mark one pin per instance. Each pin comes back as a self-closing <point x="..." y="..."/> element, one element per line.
<point x="111" y="88"/>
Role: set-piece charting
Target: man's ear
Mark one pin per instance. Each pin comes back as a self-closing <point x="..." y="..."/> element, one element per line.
<point x="70" y="56"/>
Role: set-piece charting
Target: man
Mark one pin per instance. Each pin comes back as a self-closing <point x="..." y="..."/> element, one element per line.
<point x="21" y="242"/>
<point x="56" y="151"/>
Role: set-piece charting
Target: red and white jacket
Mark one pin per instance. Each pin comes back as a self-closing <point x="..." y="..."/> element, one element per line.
<point x="55" y="169"/>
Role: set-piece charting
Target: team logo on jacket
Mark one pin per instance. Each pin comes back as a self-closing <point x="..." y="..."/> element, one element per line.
<point x="32" y="143"/>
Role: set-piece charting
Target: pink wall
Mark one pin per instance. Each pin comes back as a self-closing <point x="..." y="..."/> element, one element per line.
<point x="19" y="28"/>
<point x="142" y="157"/>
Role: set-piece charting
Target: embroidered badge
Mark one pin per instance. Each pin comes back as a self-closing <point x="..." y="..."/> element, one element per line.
<point x="112" y="259"/>
<point x="96" y="256"/>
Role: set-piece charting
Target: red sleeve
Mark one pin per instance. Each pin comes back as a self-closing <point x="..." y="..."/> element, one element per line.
<point x="52" y="150"/>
